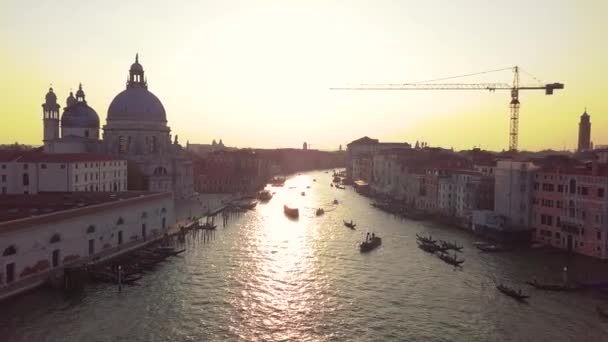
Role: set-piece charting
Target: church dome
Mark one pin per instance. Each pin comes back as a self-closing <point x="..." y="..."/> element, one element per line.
<point x="78" y="114"/>
<point x="136" y="102"/>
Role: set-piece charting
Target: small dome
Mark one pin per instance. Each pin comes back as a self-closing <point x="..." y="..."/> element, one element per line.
<point x="136" y="66"/>
<point x="70" y="100"/>
<point x="136" y="104"/>
<point x="50" y="96"/>
<point x="79" y="115"/>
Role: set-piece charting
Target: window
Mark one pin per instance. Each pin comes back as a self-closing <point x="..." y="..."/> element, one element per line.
<point x="3" y="178"/>
<point x="63" y="166"/>
<point x="599" y="235"/>
<point x="25" y="166"/>
<point x="122" y="145"/>
<point x="560" y="188"/>
<point x="600" y="192"/>
<point x="76" y="179"/>
<point x="91" y="229"/>
<point x="572" y="186"/>
<point x="26" y="179"/>
<point x="584" y="190"/>
<point x="43" y="166"/>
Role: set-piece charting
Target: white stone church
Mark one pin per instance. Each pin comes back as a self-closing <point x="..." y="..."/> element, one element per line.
<point x="136" y="130"/>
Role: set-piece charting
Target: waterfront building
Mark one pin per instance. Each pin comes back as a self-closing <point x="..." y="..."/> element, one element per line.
<point x="570" y="206"/>
<point x="584" y="133"/>
<point x="34" y="171"/>
<point x="513" y="192"/>
<point x="241" y="171"/>
<point x="366" y="146"/>
<point x="136" y="130"/>
<point x="42" y="234"/>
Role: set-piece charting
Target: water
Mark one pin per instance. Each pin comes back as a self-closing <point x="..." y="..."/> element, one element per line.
<point x="264" y="277"/>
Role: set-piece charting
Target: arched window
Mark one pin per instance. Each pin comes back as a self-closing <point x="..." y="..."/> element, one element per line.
<point x="55" y="238"/>
<point x="91" y="229"/>
<point x="572" y="186"/>
<point x="571" y="209"/>
<point x="163" y="210"/>
<point x="120" y="221"/>
<point x="160" y="171"/>
<point x="10" y="250"/>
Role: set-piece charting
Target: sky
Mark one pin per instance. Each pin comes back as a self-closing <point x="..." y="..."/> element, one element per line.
<point x="257" y="73"/>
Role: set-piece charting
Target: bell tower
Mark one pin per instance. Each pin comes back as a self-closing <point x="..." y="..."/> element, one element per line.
<point x="50" y="117"/>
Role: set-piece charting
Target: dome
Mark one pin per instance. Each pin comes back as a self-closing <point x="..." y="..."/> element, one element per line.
<point x="70" y="100"/>
<point x="136" y="104"/>
<point x="50" y="96"/>
<point x="80" y="115"/>
<point x="136" y="67"/>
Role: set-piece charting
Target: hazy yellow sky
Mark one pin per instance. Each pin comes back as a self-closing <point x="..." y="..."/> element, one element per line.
<point x="257" y="73"/>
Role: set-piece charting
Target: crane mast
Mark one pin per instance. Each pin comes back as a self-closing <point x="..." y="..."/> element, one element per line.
<point x="514" y="88"/>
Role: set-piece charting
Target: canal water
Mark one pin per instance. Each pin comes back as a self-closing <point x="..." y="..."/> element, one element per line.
<point x="264" y="277"/>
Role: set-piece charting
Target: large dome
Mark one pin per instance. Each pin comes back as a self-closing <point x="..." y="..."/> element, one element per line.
<point x="136" y="103"/>
<point x="79" y="115"/>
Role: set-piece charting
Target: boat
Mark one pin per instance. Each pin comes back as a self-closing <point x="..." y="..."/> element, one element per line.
<point x="277" y="181"/>
<point x="314" y="179"/>
<point x="291" y="212"/>
<point x="425" y="239"/>
<point x="452" y="260"/>
<point x="340" y="187"/>
<point x="603" y="313"/>
<point x="428" y="247"/>
<point x="450" y="245"/>
<point x="553" y="287"/>
<point x="319" y="212"/>
<point x="249" y="206"/>
<point x="336" y="179"/>
<point x="264" y="195"/>
<point x="335" y="201"/>
<point x="331" y="184"/>
<point x="373" y="243"/>
<point x="492" y="248"/>
<point x="308" y="187"/>
<point x="512" y="293"/>
<point x="350" y="224"/>
<point x="303" y="193"/>
<point x="208" y="226"/>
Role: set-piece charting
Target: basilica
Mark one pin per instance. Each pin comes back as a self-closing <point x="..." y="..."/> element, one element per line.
<point x="136" y="130"/>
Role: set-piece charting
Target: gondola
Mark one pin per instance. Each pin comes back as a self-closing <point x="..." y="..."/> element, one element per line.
<point x="450" y="245"/>
<point x="208" y="226"/>
<point x="350" y="224"/>
<point x="371" y="244"/>
<point x="553" y="287"/>
<point x="492" y="248"/>
<point x="428" y="247"/>
<point x="319" y="212"/>
<point x="425" y="239"/>
<point x="452" y="260"/>
<point x="512" y="293"/>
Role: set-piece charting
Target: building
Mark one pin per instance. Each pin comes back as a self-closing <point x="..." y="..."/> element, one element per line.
<point x="570" y="207"/>
<point x="513" y="192"/>
<point x="136" y="130"/>
<point x="584" y="133"/>
<point x="366" y="146"/>
<point x="32" y="172"/>
<point x="241" y="171"/>
<point x="41" y="234"/>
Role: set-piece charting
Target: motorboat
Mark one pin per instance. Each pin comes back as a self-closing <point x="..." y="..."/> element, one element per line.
<point x="291" y="212"/>
<point x="371" y="244"/>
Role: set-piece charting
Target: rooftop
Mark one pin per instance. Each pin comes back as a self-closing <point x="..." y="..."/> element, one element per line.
<point x="13" y="207"/>
<point x="33" y="156"/>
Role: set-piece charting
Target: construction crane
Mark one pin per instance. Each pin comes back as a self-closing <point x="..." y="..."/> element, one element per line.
<point x="514" y="88"/>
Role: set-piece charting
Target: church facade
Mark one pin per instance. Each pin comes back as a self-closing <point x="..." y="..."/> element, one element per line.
<point x="136" y="130"/>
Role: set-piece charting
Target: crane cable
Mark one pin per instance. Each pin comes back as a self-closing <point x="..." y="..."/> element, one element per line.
<point x="465" y="75"/>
